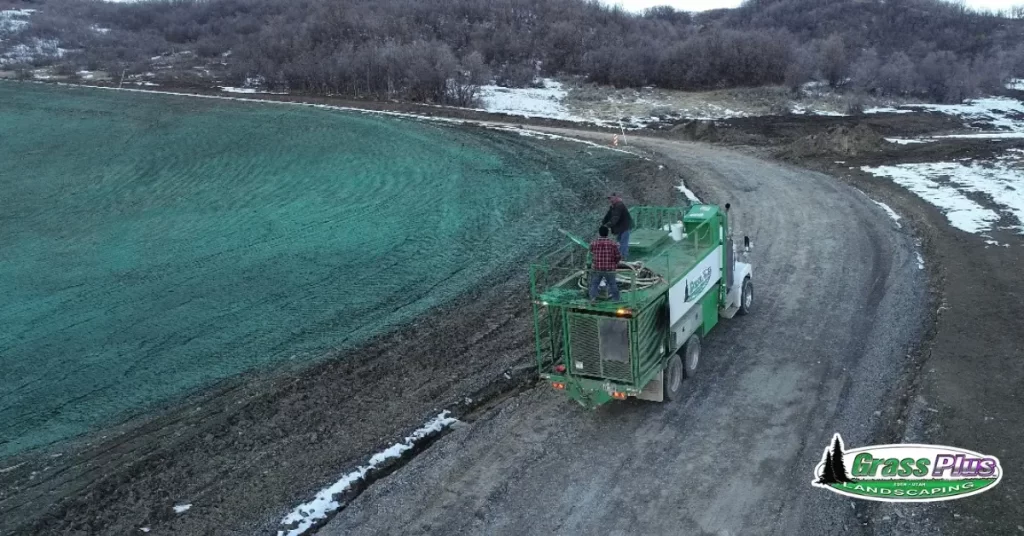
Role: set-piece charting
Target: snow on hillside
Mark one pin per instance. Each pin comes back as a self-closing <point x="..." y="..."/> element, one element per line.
<point x="25" y="53"/>
<point x="976" y="196"/>
<point x="999" y="113"/>
<point x="546" y="101"/>
<point x="13" y="20"/>
<point x="1001" y="118"/>
<point x="1016" y="83"/>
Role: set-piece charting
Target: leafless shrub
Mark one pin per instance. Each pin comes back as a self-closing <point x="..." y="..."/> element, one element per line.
<point x="781" y="108"/>
<point x="855" y="106"/>
<point x="835" y="63"/>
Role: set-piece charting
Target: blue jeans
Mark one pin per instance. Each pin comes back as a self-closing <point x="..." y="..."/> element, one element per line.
<point x="624" y="244"/>
<point x="595" y="284"/>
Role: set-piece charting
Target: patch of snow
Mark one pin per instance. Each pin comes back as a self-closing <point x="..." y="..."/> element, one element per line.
<point x="144" y="529"/>
<point x="100" y="29"/>
<point x="892" y="213"/>
<point x="887" y="110"/>
<point x="690" y="196"/>
<point x="14" y="20"/>
<point x="1000" y="112"/>
<point x="920" y="260"/>
<point x="947" y="185"/>
<point x="962" y="212"/>
<point x="1004" y="115"/>
<point x="239" y="90"/>
<point x="38" y="48"/>
<point x="908" y="141"/>
<point x="984" y="136"/>
<point x="304" y="516"/>
<point x="182" y="508"/>
<point x="800" y="109"/>
<point x="11" y="468"/>
<point x="86" y="75"/>
<point x="1016" y="83"/>
<point x="546" y="101"/>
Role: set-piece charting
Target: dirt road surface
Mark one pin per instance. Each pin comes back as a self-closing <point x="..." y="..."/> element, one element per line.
<point x="839" y="305"/>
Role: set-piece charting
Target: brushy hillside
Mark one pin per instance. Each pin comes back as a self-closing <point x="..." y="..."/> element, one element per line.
<point x="441" y="50"/>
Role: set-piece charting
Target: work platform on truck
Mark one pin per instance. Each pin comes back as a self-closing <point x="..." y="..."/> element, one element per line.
<point x="656" y="261"/>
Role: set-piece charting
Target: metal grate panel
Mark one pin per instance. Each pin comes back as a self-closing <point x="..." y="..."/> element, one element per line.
<point x="599" y="347"/>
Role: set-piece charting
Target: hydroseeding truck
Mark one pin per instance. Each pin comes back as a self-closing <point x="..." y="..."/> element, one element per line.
<point x="682" y="277"/>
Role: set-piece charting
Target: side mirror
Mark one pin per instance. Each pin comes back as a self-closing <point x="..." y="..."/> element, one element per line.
<point x="746" y="243"/>
<point x="727" y="207"/>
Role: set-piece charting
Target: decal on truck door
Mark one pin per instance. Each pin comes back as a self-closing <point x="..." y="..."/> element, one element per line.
<point x="684" y="294"/>
<point x="697" y="286"/>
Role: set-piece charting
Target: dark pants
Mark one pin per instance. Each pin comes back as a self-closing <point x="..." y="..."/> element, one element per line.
<point x="595" y="284"/>
<point x="624" y="244"/>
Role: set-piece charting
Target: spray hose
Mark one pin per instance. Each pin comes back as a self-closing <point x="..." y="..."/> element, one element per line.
<point x="642" y="276"/>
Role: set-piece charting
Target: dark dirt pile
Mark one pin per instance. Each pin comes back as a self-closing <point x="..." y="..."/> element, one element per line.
<point x="698" y="130"/>
<point x="837" y="141"/>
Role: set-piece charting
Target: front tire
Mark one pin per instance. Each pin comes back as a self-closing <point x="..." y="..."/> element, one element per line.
<point x="746" y="297"/>
<point x="672" y="384"/>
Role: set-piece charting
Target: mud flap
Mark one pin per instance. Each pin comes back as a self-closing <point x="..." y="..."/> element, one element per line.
<point x="653" y="391"/>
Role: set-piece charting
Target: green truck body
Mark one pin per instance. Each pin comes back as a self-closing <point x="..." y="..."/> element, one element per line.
<point x="674" y="290"/>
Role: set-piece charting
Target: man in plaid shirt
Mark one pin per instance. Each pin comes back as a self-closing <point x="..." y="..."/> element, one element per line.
<point x="606" y="256"/>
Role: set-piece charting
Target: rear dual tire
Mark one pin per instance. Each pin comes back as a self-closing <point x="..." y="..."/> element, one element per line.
<point x="681" y="365"/>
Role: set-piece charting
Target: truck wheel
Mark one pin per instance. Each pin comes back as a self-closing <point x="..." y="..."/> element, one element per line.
<point x="672" y="384"/>
<point x="746" y="297"/>
<point x="691" y="356"/>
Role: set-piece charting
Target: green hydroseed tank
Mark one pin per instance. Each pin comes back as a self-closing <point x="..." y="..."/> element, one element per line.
<point x="681" y="277"/>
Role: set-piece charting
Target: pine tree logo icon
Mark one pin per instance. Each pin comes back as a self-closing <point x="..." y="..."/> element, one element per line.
<point x="834" y="467"/>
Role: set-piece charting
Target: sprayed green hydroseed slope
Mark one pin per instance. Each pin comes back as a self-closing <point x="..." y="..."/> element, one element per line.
<point x="152" y="244"/>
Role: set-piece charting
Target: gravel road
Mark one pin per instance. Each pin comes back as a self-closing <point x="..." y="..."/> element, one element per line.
<point x="839" y="302"/>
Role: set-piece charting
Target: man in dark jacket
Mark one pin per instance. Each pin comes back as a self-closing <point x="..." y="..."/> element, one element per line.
<point x="620" y="222"/>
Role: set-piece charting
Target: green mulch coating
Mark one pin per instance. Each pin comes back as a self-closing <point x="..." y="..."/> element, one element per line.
<point x="150" y="245"/>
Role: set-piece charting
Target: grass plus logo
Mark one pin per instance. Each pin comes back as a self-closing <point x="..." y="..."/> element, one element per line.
<point x="695" y="287"/>
<point x="905" y="473"/>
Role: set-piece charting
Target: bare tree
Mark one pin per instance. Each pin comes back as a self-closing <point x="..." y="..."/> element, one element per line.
<point x="897" y="76"/>
<point x="800" y="70"/>
<point x="866" y="70"/>
<point x="835" y="63"/>
<point x="471" y="75"/>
